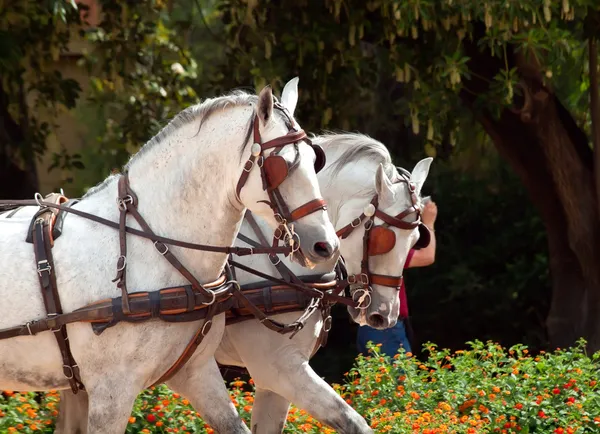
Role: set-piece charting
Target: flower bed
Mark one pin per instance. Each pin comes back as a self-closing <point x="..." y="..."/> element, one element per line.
<point x="483" y="389"/>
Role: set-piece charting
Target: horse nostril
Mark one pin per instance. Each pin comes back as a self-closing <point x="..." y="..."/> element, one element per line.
<point x="376" y="320"/>
<point x="323" y="249"/>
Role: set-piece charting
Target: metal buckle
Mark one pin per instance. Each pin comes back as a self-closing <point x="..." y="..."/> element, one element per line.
<point x="353" y="279"/>
<point x="51" y="321"/>
<point x="249" y="168"/>
<point x="42" y="266"/>
<point x="166" y="248"/>
<point x="122" y="202"/>
<point x="122" y="267"/>
<point x="357" y="220"/>
<point x="260" y="161"/>
<point x="28" y="325"/>
<point x="276" y="257"/>
<point x="368" y="225"/>
<point x="70" y="368"/>
<point x="208" y="324"/>
<point x="327" y="323"/>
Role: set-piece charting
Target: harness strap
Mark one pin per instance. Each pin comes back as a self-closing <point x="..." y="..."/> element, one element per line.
<point x="128" y="203"/>
<point x="238" y="251"/>
<point x="191" y="347"/>
<point x="45" y="266"/>
<point x="308" y="208"/>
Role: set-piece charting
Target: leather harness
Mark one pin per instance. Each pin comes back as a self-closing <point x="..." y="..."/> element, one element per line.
<point x="185" y="303"/>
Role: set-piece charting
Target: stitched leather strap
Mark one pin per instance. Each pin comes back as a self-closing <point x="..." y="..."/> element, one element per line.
<point x="47" y="277"/>
<point x="308" y="208"/>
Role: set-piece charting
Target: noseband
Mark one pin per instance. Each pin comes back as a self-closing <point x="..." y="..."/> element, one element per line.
<point x="274" y="170"/>
<point x="379" y="239"/>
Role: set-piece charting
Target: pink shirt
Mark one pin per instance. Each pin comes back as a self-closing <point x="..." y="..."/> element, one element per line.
<point x="403" y="299"/>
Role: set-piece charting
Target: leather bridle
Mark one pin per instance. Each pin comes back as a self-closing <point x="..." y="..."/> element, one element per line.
<point x="379" y="239"/>
<point x="274" y="170"/>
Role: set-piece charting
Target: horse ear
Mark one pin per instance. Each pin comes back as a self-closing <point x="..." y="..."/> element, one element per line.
<point x="289" y="95"/>
<point x="265" y="104"/>
<point x="383" y="186"/>
<point x="420" y="172"/>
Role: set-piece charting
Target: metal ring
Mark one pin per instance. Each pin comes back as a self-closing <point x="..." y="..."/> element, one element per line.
<point x="260" y="162"/>
<point x="279" y="219"/>
<point x="214" y="297"/>
<point x="327" y="323"/>
<point x="368" y="225"/>
<point x="122" y="267"/>
<point x="296" y="244"/>
<point x="365" y="295"/>
<point x="38" y="198"/>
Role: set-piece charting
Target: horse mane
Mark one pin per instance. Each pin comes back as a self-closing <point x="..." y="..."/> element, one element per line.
<point x="357" y="147"/>
<point x="198" y="112"/>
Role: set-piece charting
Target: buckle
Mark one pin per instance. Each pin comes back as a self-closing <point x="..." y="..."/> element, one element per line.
<point x="51" y="321"/>
<point x="42" y="266"/>
<point x="206" y="327"/>
<point x="276" y="257"/>
<point x="122" y="202"/>
<point x="357" y="220"/>
<point x="248" y="169"/>
<point x="122" y="267"/>
<point x="164" y="252"/>
<point x="71" y="374"/>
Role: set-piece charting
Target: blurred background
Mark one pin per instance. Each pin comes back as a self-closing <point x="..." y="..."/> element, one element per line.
<point x="502" y="93"/>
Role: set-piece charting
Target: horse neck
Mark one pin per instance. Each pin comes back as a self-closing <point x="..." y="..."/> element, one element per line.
<point x="185" y="190"/>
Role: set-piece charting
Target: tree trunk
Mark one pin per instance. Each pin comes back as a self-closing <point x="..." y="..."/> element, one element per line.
<point x="551" y="155"/>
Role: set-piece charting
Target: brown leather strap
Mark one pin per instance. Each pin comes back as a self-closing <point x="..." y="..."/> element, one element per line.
<point x="401" y="224"/>
<point x="385" y="280"/>
<point x="291" y="137"/>
<point x="308" y="208"/>
<point x="47" y="277"/>
<point x="172" y="305"/>
<point x="238" y="251"/>
<point x="191" y="346"/>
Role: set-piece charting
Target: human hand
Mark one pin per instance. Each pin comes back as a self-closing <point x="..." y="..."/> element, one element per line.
<point x="429" y="214"/>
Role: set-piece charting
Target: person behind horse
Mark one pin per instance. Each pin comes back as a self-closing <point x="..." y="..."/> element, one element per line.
<point x="396" y="337"/>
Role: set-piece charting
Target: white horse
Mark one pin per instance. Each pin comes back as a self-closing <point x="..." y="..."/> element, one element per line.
<point x="185" y="179"/>
<point x="358" y="168"/>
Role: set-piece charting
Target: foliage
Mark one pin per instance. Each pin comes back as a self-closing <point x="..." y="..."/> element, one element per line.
<point x="33" y="36"/>
<point x="486" y="388"/>
<point x="490" y="279"/>
<point x="407" y="56"/>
